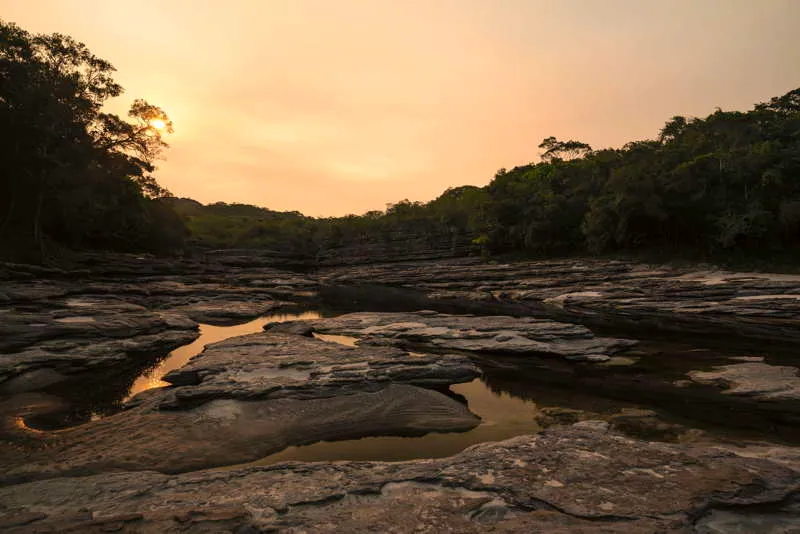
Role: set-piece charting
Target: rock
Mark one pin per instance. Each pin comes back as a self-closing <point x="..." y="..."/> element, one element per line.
<point x="110" y="308"/>
<point x="594" y="292"/>
<point x="563" y="480"/>
<point x="636" y="423"/>
<point x="35" y="380"/>
<point x="754" y="379"/>
<point x="86" y="335"/>
<point x="297" y="328"/>
<point x="251" y="396"/>
<point x="646" y="425"/>
<point x="221" y="312"/>
<point x="481" y="334"/>
<point x="558" y="416"/>
<point x="272" y="365"/>
<point x="225" y="431"/>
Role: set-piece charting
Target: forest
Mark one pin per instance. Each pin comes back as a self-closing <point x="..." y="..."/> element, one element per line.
<point x="74" y="177"/>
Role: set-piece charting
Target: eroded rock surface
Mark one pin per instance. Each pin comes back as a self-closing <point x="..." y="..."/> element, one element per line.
<point x="223" y="431"/>
<point x="248" y="397"/>
<point x="570" y="479"/>
<point x="83" y="334"/>
<point x="754" y="379"/>
<point x="113" y="307"/>
<point x="601" y="292"/>
<point x="479" y="334"/>
<point x="273" y="365"/>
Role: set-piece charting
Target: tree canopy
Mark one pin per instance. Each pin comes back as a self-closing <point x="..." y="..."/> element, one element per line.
<point x="73" y="174"/>
<point x="729" y="182"/>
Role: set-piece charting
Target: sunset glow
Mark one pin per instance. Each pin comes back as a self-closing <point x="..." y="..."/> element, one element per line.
<point x="341" y="107"/>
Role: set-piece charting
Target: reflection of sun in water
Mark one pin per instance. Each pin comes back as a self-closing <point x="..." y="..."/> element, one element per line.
<point x="158" y="124"/>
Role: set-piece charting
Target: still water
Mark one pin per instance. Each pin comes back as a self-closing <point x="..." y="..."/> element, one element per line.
<point x="509" y="403"/>
<point x="152" y="378"/>
<point x="503" y="416"/>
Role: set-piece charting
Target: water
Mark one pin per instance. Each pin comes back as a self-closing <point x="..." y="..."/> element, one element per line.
<point x="92" y="396"/>
<point x="208" y="334"/>
<point x="503" y="416"/>
<point x="510" y="398"/>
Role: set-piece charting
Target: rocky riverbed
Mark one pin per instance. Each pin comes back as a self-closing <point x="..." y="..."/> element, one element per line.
<point x="636" y="399"/>
<point x="594" y="292"/>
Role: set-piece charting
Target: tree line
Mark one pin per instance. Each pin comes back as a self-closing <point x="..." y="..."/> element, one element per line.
<point x="74" y="176"/>
<point x="729" y="182"/>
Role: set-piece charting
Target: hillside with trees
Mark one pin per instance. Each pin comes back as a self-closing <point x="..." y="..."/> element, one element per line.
<point x="75" y="177"/>
<point x="726" y="183"/>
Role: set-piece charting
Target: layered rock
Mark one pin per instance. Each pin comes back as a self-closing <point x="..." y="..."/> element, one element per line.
<point x="274" y="365"/>
<point x="83" y="334"/>
<point x="484" y="334"/>
<point x="248" y="397"/>
<point x="570" y="479"/>
<point x="599" y="292"/>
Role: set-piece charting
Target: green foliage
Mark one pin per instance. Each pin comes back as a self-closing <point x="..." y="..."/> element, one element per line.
<point x="71" y="173"/>
<point x="728" y="183"/>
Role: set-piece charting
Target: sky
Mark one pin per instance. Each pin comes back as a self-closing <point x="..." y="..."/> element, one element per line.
<point x="331" y="107"/>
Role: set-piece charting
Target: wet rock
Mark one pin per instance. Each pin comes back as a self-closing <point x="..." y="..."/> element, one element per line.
<point x="271" y="365"/>
<point x="108" y="309"/>
<point x="484" y="334"/>
<point x="754" y="379"/>
<point x="84" y="335"/>
<point x="563" y="480"/>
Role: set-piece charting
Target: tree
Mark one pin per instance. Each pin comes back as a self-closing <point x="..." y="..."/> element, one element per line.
<point x="555" y="149"/>
<point x="58" y="146"/>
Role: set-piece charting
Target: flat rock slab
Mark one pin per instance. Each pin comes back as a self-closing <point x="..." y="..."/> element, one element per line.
<point x="483" y="334"/>
<point x="570" y="479"/>
<point x="83" y="334"/>
<point x="754" y="379"/>
<point x="222" y="311"/>
<point x="112" y="307"/>
<point x="759" y="305"/>
<point x="273" y="365"/>
<point x="224" y="432"/>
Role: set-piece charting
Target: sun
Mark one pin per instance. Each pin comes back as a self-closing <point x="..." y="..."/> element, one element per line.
<point x="158" y="124"/>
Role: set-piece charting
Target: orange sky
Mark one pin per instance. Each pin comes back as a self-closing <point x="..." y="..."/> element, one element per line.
<point x="340" y="106"/>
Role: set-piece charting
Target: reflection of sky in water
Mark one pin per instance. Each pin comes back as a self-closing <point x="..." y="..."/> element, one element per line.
<point x="208" y="334"/>
<point x="503" y="417"/>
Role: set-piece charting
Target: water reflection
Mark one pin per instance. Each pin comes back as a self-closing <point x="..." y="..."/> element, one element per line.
<point x="503" y="416"/>
<point x="208" y="334"/>
<point x="347" y="341"/>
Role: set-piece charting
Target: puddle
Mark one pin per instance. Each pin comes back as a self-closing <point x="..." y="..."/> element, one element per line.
<point x="348" y="341"/>
<point x="208" y="334"/>
<point x="76" y="319"/>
